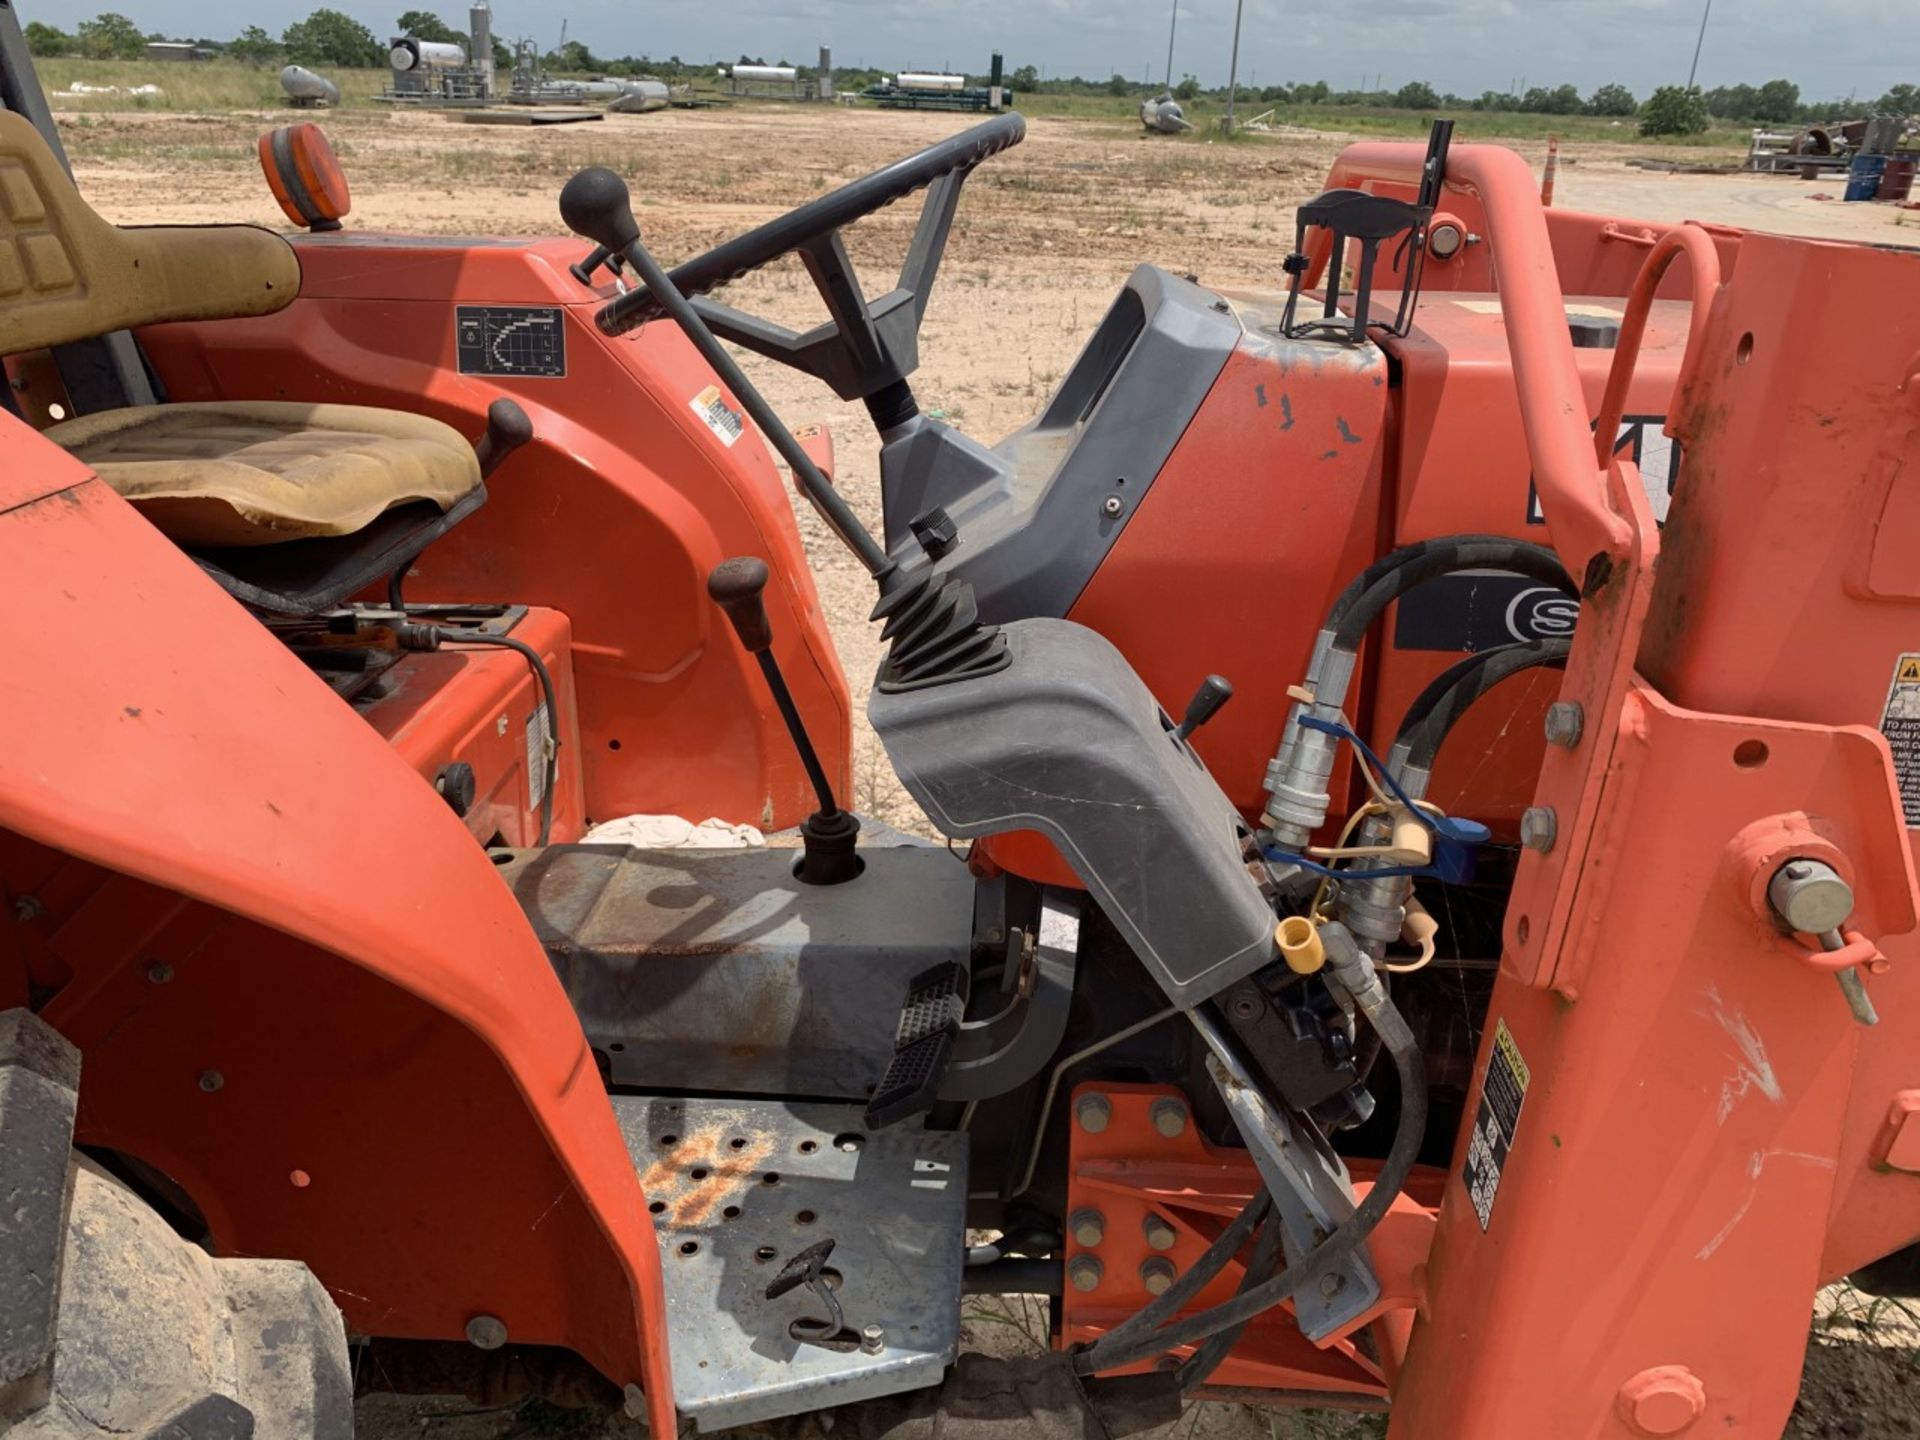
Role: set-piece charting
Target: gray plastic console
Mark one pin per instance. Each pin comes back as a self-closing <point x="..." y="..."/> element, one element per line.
<point x="1033" y="511"/>
<point x="1067" y="740"/>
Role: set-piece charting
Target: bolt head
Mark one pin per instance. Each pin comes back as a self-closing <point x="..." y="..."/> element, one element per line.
<point x="159" y="973"/>
<point x="1169" y="1117"/>
<point x="1539" y="828"/>
<point x="1112" y="505"/>
<point x="1565" y="722"/>
<point x="1664" y="1400"/>
<point x="1331" y="1285"/>
<point x="1093" y="1111"/>
<point x="1084" y="1272"/>
<point x="1157" y="1275"/>
<point x="1245" y="1006"/>
<point x="873" y="1339"/>
<point x="486" y="1332"/>
<point x="1810" y="897"/>
<point x="1160" y="1232"/>
<point x="211" y="1080"/>
<point x="1087" y="1227"/>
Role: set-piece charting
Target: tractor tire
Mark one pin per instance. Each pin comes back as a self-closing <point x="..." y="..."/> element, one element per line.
<point x="111" y="1324"/>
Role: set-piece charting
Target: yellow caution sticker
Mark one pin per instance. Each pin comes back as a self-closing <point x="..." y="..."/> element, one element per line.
<point x="1495" y="1122"/>
<point x="1900" y="723"/>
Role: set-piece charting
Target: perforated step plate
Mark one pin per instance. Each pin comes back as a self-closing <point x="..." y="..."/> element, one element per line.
<point x="738" y="1188"/>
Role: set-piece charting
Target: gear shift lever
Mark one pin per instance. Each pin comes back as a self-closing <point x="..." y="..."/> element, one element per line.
<point x="738" y="587"/>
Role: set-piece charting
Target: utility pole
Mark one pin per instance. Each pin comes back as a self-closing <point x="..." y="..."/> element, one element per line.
<point x="1233" y="65"/>
<point x="1694" y="68"/>
<point x="1173" y="23"/>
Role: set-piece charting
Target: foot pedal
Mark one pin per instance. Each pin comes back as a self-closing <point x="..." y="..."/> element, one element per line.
<point x="922" y="1045"/>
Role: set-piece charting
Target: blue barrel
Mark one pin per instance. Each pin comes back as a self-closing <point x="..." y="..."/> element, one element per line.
<point x="1863" y="176"/>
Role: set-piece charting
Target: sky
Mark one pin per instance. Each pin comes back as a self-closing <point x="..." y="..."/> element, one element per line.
<point x="1859" y="47"/>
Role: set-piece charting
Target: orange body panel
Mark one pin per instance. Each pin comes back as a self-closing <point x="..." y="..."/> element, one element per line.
<point x="1265" y="509"/>
<point x="466" y="704"/>
<point x="266" y="893"/>
<point x="613" y="515"/>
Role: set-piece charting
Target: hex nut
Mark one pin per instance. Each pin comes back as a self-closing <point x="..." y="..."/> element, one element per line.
<point x="1093" y="1111"/>
<point x="1663" y="1400"/>
<point x="1088" y="1227"/>
<point x="486" y="1332"/>
<point x="1539" y="828"/>
<point x="873" y="1339"/>
<point x="1084" y="1272"/>
<point x="1157" y="1274"/>
<point x="1566" y="720"/>
<point x="1331" y="1284"/>
<point x="1169" y="1116"/>
<point x="1160" y="1232"/>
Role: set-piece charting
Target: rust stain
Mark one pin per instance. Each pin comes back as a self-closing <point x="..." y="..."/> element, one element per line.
<point x="728" y="1160"/>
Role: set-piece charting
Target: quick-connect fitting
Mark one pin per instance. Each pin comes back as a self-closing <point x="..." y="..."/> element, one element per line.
<point x="1300" y="783"/>
<point x="1299" y="942"/>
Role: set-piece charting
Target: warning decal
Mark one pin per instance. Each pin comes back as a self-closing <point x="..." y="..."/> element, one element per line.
<point x="1494" y="1123"/>
<point x="537" y="742"/>
<point x="1900" y="723"/>
<point x="721" y="418"/>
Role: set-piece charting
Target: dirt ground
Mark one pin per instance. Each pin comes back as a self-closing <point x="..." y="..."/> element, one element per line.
<point x="1045" y="235"/>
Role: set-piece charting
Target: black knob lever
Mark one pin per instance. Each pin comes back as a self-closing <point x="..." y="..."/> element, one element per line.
<point x="597" y="205"/>
<point x="1214" y="692"/>
<point x="508" y="428"/>
<point x="738" y="587"/>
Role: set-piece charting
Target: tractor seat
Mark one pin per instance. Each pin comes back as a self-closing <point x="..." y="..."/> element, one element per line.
<point x="244" y="473"/>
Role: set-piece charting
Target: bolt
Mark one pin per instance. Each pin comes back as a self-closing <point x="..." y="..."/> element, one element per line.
<point x="634" y="1402"/>
<point x="1157" y="1274"/>
<point x="487" y="1332"/>
<point x="1087" y="1227"/>
<point x="1093" y="1111"/>
<point x="1169" y="1117"/>
<point x="1810" y="897"/>
<point x="1245" y="1005"/>
<point x="1222" y="306"/>
<point x="1565" y="721"/>
<point x="1662" y="1401"/>
<point x="873" y="1339"/>
<point x="211" y="1080"/>
<point x="1331" y="1284"/>
<point x="1084" y="1272"/>
<point x="27" y="908"/>
<point x="159" y="973"/>
<point x="1112" y="505"/>
<point x="1539" y="828"/>
<point x="1160" y="1232"/>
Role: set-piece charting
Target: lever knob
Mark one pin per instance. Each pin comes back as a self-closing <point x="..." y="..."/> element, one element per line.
<point x="508" y="428"/>
<point x="737" y="587"/>
<point x="596" y="204"/>
<point x="1214" y="692"/>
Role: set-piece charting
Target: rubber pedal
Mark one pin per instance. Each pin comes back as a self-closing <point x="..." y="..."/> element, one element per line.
<point x="922" y="1046"/>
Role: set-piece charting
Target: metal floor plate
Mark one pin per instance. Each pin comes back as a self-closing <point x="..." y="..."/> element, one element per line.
<point x="738" y="1188"/>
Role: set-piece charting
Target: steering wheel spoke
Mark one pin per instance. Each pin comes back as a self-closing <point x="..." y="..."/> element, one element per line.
<point x="868" y="347"/>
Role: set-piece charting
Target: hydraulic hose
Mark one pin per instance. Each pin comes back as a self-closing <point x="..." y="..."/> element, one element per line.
<point x="1131" y="1343"/>
<point x="1416" y="564"/>
<point x="1438" y="708"/>
<point x="1198" y="1367"/>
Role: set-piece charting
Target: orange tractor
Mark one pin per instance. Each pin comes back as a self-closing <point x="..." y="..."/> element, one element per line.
<point x="1436" y="746"/>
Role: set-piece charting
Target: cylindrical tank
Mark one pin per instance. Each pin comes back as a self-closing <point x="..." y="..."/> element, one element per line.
<point x="765" y="72"/>
<point x="1863" y="177"/>
<point x="411" y="54"/>
<point x="640" y="97"/>
<point x="920" y="80"/>
<point x="1896" y="181"/>
<point x="303" y="85"/>
<point x="480" y="27"/>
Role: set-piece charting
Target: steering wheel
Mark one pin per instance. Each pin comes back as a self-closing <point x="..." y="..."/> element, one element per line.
<point x="868" y="348"/>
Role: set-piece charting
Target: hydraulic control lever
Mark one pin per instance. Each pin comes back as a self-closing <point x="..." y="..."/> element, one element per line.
<point x="738" y="587"/>
<point x="1214" y="692"/>
<point x="596" y="205"/>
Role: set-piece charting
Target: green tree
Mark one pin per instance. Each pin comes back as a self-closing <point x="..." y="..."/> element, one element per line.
<point x="1777" y="100"/>
<point x="1674" y="110"/>
<point x="1186" y="89"/>
<point x="1612" y="100"/>
<point x="255" y="46"/>
<point x="1026" y="79"/>
<point x="1900" y="100"/>
<point x="577" y="58"/>
<point x="1417" y="95"/>
<point x="111" y="36"/>
<point x="1733" y="102"/>
<point x="1314" y="94"/>
<point x="425" y="25"/>
<point x="1118" y="85"/>
<point x="46" y="41"/>
<point x="326" y="37"/>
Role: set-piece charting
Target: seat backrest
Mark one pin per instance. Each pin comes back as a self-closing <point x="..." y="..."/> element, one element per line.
<point x="67" y="275"/>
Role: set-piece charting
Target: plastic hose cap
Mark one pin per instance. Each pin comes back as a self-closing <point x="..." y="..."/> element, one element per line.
<point x="1299" y="942"/>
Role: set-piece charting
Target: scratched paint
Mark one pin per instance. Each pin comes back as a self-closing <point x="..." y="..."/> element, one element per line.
<point x="1752" y="1069"/>
<point x="1755" y="1167"/>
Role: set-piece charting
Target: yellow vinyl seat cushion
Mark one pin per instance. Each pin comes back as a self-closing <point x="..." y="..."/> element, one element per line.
<point x="256" y="472"/>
